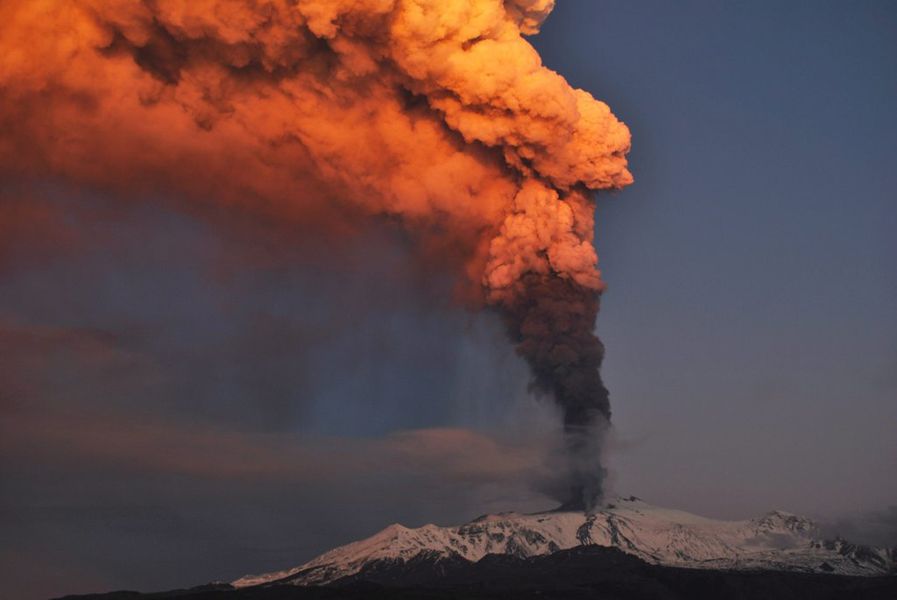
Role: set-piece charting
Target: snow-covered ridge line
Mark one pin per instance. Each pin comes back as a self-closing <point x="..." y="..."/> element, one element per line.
<point x="776" y="541"/>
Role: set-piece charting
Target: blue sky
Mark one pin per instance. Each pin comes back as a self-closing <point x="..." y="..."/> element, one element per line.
<point x="749" y="320"/>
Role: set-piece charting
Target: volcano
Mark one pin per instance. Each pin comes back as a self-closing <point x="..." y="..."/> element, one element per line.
<point x="627" y="549"/>
<point x="776" y="541"/>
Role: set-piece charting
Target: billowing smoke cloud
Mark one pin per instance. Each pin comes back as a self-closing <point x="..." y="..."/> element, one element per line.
<point x="435" y="113"/>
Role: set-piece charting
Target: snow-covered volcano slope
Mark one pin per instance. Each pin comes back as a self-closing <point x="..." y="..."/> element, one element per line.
<point x="775" y="541"/>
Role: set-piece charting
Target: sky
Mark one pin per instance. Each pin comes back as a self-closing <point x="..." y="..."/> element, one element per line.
<point x="182" y="402"/>
<point x="752" y="341"/>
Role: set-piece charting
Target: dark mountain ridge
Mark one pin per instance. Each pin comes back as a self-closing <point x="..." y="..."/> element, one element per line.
<point x="593" y="572"/>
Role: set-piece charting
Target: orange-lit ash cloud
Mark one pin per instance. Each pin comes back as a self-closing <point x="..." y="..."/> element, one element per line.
<point x="437" y="113"/>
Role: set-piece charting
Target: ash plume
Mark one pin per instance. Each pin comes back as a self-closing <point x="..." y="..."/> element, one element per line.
<point x="435" y="113"/>
<point x="550" y="320"/>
